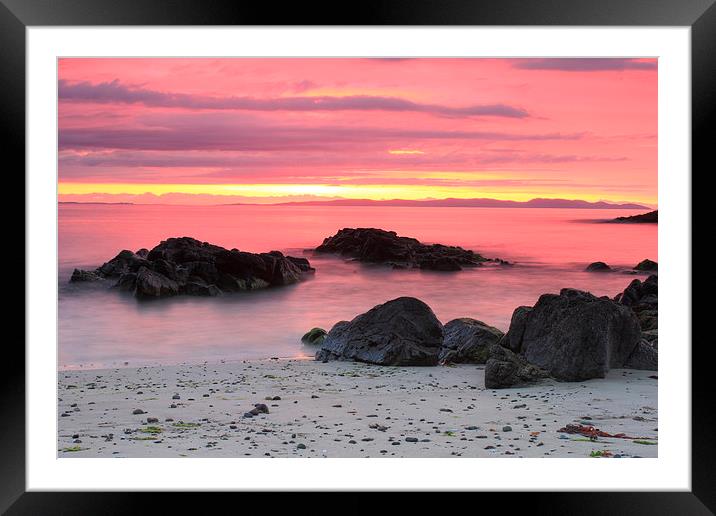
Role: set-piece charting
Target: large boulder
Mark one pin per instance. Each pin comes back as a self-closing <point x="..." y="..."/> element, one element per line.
<point x="513" y="338"/>
<point x="386" y="247"/>
<point x="401" y="332"/>
<point x="576" y="336"/>
<point x="187" y="266"/>
<point x="507" y="369"/>
<point x="468" y="340"/>
<point x="645" y="356"/>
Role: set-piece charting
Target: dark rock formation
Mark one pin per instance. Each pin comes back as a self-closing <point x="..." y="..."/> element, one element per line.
<point x="467" y="340"/>
<point x="401" y="332"/>
<point x="79" y="275"/>
<point x="644" y="356"/>
<point x="576" y="336"/>
<point x="598" y="267"/>
<point x="513" y="338"/>
<point x="642" y="298"/>
<point x="187" y="266"/>
<point x="646" y="218"/>
<point x="380" y="246"/>
<point x="507" y="369"/>
<point x="314" y="336"/>
<point x="646" y="266"/>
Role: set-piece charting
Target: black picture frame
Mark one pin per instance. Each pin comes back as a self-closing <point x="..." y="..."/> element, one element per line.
<point x="699" y="15"/>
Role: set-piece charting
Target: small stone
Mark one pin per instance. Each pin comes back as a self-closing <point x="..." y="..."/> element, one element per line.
<point x="301" y="446"/>
<point x="138" y="411"/>
<point x="411" y="439"/>
<point x="507" y="428"/>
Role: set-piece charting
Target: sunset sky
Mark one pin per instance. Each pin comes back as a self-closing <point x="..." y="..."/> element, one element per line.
<point x="209" y="131"/>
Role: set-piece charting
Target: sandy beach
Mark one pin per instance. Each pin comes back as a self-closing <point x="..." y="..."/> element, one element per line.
<point x="346" y="409"/>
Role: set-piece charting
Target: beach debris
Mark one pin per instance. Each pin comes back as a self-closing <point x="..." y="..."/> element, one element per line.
<point x="590" y="431"/>
<point x="601" y="453"/>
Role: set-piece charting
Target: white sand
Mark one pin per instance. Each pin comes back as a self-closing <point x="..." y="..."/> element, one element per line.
<point x="330" y="408"/>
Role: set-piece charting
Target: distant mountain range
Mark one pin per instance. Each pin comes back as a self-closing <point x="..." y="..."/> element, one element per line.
<point x="76" y="202"/>
<point x="475" y="203"/>
<point x="451" y="202"/>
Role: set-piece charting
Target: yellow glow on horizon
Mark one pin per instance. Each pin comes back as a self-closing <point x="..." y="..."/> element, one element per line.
<point x="405" y="151"/>
<point x="348" y="191"/>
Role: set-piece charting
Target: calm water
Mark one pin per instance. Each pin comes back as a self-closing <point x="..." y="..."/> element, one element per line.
<point x="99" y="327"/>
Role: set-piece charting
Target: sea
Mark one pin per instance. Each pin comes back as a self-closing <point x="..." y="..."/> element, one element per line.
<point x="100" y="327"/>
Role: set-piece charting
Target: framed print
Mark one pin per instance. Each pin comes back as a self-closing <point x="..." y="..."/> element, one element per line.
<point x="415" y="250"/>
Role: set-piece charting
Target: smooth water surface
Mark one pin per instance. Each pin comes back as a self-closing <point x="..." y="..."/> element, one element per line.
<point x="101" y="327"/>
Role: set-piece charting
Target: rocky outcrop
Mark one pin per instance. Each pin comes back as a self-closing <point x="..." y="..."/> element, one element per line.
<point x="386" y="247"/>
<point x="401" y="332"/>
<point x="468" y="340"/>
<point x="598" y="267"/>
<point x="571" y="336"/>
<point x="577" y="336"/>
<point x="645" y="218"/>
<point x="187" y="266"/>
<point x="507" y="369"/>
<point x="646" y="266"/>
<point x="314" y="336"/>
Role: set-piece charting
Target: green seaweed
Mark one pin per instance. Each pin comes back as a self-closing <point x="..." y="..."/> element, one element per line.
<point x="73" y="449"/>
<point x="181" y="424"/>
<point x="643" y="441"/>
<point x="151" y="430"/>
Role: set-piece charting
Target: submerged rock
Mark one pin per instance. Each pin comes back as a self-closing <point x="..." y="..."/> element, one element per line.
<point x="646" y="266"/>
<point x="386" y="247"/>
<point x="401" y="332"/>
<point x="598" y="267"/>
<point x="187" y="266"/>
<point x="468" y="340"/>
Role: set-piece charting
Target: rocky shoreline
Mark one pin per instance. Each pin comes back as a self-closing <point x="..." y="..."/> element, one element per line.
<point x="571" y="336"/>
